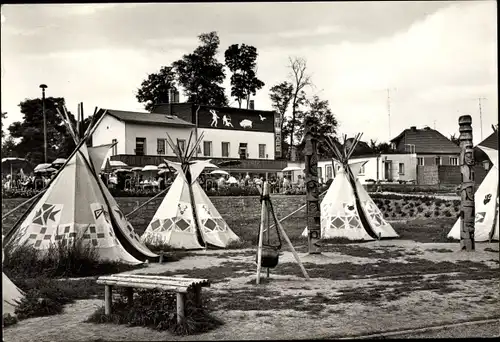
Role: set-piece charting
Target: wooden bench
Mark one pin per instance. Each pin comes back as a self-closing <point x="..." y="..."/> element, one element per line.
<point x="175" y="284"/>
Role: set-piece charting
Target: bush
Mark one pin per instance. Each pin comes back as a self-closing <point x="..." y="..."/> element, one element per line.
<point x="403" y="214"/>
<point x="393" y="214"/>
<point x="438" y="202"/>
<point x="387" y="201"/>
<point x="398" y="209"/>
<point x="428" y="214"/>
<point x="157" y="309"/>
<point x="456" y="203"/>
<point x="74" y="259"/>
<point x="447" y="213"/>
<point x="35" y="305"/>
<point x="420" y="209"/>
<point x="457" y="209"/>
<point x="436" y="213"/>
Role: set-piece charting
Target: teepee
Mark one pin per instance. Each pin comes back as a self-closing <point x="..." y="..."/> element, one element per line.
<point x="347" y="210"/>
<point x="11" y="294"/>
<point x="486" y="204"/>
<point x="186" y="218"/>
<point x="77" y="204"/>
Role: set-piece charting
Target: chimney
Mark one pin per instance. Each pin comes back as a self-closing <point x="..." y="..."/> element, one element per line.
<point x="251" y="105"/>
<point x="413" y="128"/>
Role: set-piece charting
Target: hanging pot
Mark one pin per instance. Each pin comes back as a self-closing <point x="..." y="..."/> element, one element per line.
<point x="270" y="256"/>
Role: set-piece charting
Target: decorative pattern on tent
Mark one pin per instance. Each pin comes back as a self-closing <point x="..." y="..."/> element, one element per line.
<point x="171" y="224"/>
<point x="347" y="218"/>
<point x="374" y="214"/>
<point x="44" y="222"/>
<point x="131" y="232"/>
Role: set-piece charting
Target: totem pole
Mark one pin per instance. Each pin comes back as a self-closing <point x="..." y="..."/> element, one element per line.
<point x="467" y="210"/>
<point x="312" y="186"/>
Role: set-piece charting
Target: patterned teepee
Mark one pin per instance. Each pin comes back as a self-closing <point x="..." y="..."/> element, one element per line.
<point x="78" y="205"/>
<point x="10" y="293"/>
<point x="486" y="202"/>
<point x="186" y="218"/>
<point x="347" y="210"/>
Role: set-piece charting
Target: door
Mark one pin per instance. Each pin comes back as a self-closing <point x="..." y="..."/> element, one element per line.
<point x="140" y="146"/>
<point x="388" y="170"/>
<point x="243" y="151"/>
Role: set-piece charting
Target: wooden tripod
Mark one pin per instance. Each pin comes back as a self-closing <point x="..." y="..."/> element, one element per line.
<point x="264" y="226"/>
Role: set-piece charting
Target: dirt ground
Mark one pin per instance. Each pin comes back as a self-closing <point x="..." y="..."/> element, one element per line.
<point x="355" y="289"/>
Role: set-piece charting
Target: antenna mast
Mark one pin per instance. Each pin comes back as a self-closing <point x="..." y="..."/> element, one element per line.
<point x="481" y="115"/>
<point x="389" y="110"/>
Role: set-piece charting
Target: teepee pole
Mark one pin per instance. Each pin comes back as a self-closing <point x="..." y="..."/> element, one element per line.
<point x="261" y="231"/>
<point x="294" y="252"/>
<point x="148" y="201"/>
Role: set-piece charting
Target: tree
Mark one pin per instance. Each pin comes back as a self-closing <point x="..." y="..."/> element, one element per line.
<point x="201" y="75"/>
<point x="300" y="80"/>
<point x="319" y="110"/>
<point x="8" y="147"/>
<point x="281" y="96"/>
<point x="241" y="61"/>
<point x="155" y="88"/>
<point x="30" y="131"/>
<point x="4" y="116"/>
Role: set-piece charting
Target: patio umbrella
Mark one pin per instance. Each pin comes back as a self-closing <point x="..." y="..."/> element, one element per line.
<point x="46" y="170"/>
<point x="14" y="162"/>
<point x="59" y="161"/>
<point x="137" y="168"/>
<point x="43" y="166"/>
<point x="150" y="168"/>
<point x="122" y="170"/>
<point x="162" y="166"/>
<point x="117" y="163"/>
<point x="222" y="172"/>
<point x="291" y="168"/>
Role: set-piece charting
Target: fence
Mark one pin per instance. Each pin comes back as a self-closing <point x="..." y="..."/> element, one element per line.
<point x="446" y="174"/>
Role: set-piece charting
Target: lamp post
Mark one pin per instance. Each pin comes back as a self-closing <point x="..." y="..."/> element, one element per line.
<point x="43" y="86"/>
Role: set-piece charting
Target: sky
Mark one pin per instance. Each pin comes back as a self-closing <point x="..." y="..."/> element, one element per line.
<point x="435" y="58"/>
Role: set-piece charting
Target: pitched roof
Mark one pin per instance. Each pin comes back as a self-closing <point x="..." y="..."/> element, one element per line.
<point x="491" y="141"/>
<point x="149" y="118"/>
<point x="427" y="140"/>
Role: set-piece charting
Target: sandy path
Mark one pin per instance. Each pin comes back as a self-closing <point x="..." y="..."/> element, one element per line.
<point x="416" y="309"/>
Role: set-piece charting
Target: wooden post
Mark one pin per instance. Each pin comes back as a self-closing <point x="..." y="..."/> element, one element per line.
<point x="312" y="188"/>
<point x="294" y="252"/>
<point x="265" y="190"/>
<point x="197" y="296"/>
<point x="180" y="306"/>
<point x="467" y="210"/>
<point x="108" y="298"/>
<point x="130" y="295"/>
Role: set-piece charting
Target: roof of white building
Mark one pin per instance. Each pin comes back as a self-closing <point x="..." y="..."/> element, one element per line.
<point x="142" y="118"/>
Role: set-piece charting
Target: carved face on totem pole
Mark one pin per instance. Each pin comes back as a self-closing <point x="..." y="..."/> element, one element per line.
<point x="469" y="155"/>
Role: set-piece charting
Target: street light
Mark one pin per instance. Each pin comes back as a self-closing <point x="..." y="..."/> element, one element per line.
<point x="43" y="86"/>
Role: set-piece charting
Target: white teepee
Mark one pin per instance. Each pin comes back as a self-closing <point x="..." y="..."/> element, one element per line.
<point x="78" y="205"/>
<point x="347" y="210"/>
<point x="486" y="204"/>
<point x="11" y="294"/>
<point x="186" y="218"/>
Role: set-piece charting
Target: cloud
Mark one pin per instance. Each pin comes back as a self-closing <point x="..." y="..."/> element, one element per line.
<point x="435" y="64"/>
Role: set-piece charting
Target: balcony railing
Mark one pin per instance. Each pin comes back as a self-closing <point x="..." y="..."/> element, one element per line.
<point x="245" y="164"/>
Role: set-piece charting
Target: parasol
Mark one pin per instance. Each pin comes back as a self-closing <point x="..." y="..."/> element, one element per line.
<point x="291" y="168"/>
<point x="59" y="161"/>
<point x="222" y="172"/>
<point x="150" y="168"/>
<point x="43" y="166"/>
<point x="232" y="180"/>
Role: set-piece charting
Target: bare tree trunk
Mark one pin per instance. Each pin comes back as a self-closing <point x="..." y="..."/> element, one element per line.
<point x="467" y="212"/>
<point x="312" y="186"/>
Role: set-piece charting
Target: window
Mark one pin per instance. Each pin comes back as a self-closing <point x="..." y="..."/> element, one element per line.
<point x="393" y="146"/>
<point x="401" y="168"/>
<point x="140" y="146"/>
<point x="182" y="144"/>
<point x="329" y="173"/>
<point x="243" y="151"/>
<point x="262" y="150"/>
<point x="160" y="146"/>
<point x="420" y="161"/>
<point x="453" y="161"/>
<point x="438" y="160"/>
<point x="362" y="170"/>
<point x="207" y="148"/>
<point x="114" y="150"/>
<point x="225" y="149"/>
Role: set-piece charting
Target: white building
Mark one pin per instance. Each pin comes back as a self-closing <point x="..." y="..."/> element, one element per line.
<point x="383" y="167"/>
<point x="229" y="133"/>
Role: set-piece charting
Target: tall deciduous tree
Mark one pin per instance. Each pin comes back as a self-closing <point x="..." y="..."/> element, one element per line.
<point x="241" y="61"/>
<point x="201" y="75"/>
<point x="4" y="116"/>
<point x="300" y="80"/>
<point x="155" y="88"/>
<point x="281" y="97"/>
<point x="321" y="113"/>
<point x="454" y="139"/>
<point x="30" y="131"/>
